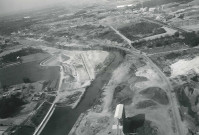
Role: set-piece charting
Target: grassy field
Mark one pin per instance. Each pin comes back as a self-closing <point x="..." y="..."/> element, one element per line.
<point x="122" y="94"/>
<point x="153" y="3"/>
<point x="12" y="57"/>
<point x="156" y="94"/>
<point x="145" y="104"/>
<point x="141" y="30"/>
<point x="14" y="74"/>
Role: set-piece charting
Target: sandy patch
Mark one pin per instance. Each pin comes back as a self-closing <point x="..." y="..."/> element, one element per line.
<point x="119" y="76"/>
<point x="191" y="27"/>
<point x="95" y="124"/>
<point x="184" y="66"/>
<point x="153" y="78"/>
<point x="68" y="98"/>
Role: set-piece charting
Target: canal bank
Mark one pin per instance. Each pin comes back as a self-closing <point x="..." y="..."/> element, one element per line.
<point x="63" y="119"/>
<point x="15" y="74"/>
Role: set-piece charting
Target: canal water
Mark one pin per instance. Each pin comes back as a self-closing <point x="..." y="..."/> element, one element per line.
<point x="14" y="74"/>
<point x="63" y="119"/>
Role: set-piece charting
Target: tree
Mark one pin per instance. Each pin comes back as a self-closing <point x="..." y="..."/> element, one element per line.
<point x="26" y="80"/>
<point x="181" y="16"/>
<point x="176" y="34"/>
<point x="166" y="42"/>
<point x="9" y="106"/>
<point x="191" y="38"/>
<point x="5" y="87"/>
<point x="158" y="44"/>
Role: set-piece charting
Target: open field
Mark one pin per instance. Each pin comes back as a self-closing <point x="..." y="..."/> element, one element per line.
<point x="182" y="68"/>
<point x="127" y="88"/>
<point x="165" y="60"/>
<point x="101" y="53"/>
<point x="32" y="70"/>
<point x="141" y="30"/>
<point x="23" y="99"/>
<point x="79" y="68"/>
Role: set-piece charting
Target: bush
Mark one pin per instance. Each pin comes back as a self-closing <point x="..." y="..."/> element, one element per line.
<point x="191" y="39"/>
<point x="159" y="31"/>
<point x="159" y="44"/>
<point x="176" y="34"/>
<point x="110" y="35"/>
<point x="138" y="28"/>
<point x="26" y="80"/>
<point x="145" y="104"/>
<point x="38" y="117"/>
<point x="153" y="3"/>
<point x="172" y="55"/>
<point x="162" y="41"/>
<point x="156" y="94"/>
<point x="9" y="106"/>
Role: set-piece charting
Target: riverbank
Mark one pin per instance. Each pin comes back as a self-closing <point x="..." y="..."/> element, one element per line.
<point x="32" y="92"/>
<point x="14" y="74"/>
<point x="63" y="119"/>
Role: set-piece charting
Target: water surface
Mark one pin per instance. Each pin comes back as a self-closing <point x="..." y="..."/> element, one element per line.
<point x="63" y="119"/>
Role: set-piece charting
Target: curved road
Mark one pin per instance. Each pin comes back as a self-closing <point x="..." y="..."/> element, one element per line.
<point x="41" y="126"/>
<point x="63" y="119"/>
<point x="172" y="97"/>
<point x="174" y="105"/>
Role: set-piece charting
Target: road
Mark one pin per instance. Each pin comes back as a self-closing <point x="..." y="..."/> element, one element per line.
<point x="125" y="39"/>
<point x="52" y="108"/>
<point x="121" y="35"/>
<point x="172" y="97"/>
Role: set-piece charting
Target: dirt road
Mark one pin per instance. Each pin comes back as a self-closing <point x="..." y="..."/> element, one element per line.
<point x="172" y="97"/>
<point x="52" y="108"/>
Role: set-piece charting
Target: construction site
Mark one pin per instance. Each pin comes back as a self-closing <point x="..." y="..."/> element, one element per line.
<point x="131" y="69"/>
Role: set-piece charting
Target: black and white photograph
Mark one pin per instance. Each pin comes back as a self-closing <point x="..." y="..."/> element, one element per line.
<point x="99" y="67"/>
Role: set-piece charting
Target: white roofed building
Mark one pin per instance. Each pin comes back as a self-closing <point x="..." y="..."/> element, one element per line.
<point x="119" y="119"/>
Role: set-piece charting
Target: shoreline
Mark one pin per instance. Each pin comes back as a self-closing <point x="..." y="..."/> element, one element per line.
<point x="48" y="115"/>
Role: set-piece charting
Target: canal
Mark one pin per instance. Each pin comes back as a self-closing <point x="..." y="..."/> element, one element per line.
<point x="63" y="119"/>
<point x="14" y="74"/>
